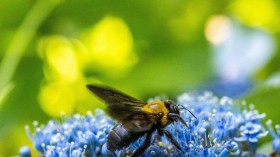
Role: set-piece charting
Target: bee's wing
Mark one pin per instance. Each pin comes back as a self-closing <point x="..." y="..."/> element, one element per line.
<point x="120" y="106"/>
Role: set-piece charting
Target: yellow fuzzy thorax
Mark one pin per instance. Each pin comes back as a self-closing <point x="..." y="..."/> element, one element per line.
<point x="156" y="107"/>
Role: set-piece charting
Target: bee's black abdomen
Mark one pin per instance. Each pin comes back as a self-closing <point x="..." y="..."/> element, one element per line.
<point x="122" y="135"/>
<point x="117" y="138"/>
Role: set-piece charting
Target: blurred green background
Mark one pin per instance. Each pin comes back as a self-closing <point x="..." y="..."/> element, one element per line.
<point x="50" y="49"/>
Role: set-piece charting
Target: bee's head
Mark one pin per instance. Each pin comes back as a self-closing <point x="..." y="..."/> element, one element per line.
<point x="174" y="112"/>
<point x="172" y="107"/>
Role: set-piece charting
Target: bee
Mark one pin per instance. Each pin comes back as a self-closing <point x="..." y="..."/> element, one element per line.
<point x="137" y="118"/>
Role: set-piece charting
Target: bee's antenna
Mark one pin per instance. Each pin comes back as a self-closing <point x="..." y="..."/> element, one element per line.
<point x="187" y="110"/>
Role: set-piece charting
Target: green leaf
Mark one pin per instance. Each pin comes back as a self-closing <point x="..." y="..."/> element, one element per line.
<point x="266" y="100"/>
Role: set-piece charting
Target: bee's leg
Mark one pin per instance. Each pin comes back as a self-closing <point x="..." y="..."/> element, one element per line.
<point x="144" y="146"/>
<point x="170" y="138"/>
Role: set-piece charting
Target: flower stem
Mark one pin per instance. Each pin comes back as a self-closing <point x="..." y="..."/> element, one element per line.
<point x="22" y="37"/>
<point x="253" y="146"/>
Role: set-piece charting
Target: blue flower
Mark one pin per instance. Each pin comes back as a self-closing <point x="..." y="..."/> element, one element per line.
<point x="218" y="121"/>
<point x="25" y="151"/>
<point x="224" y="127"/>
<point x="229" y="148"/>
<point x="251" y="132"/>
<point x="253" y="115"/>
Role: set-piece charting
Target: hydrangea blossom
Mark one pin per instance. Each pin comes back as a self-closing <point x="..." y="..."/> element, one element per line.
<point x="75" y="136"/>
<point x="219" y="126"/>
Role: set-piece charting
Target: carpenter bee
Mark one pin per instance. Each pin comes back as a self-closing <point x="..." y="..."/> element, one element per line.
<point x="137" y="118"/>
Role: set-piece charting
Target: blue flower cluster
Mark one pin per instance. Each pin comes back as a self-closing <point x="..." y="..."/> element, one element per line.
<point x="75" y="136"/>
<point x="220" y="128"/>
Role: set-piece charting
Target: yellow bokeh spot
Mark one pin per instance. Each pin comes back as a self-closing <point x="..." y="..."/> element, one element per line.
<point x="255" y="12"/>
<point x="108" y="49"/>
<point x="110" y="46"/>
<point x="56" y="98"/>
<point x="217" y="29"/>
<point x="60" y="56"/>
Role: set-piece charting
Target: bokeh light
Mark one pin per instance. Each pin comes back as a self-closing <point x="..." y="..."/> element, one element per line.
<point x="256" y="12"/>
<point x="234" y="47"/>
<point x="56" y="98"/>
<point x="217" y="29"/>
<point x="110" y="47"/>
<point x="60" y="59"/>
